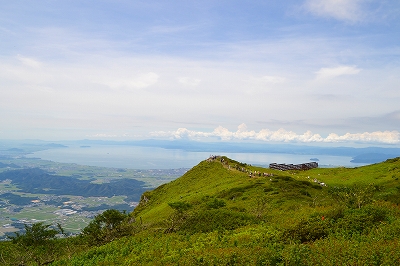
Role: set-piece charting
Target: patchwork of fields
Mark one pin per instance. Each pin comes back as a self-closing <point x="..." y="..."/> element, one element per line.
<point x="34" y="190"/>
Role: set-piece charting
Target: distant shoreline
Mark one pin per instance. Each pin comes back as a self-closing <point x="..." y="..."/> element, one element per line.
<point x="139" y="157"/>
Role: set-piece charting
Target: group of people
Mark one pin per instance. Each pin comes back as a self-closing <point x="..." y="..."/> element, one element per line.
<point x="237" y="167"/>
<point x="258" y="173"/>
<point x="214" y="157"/>
<point x="317" y="181"/>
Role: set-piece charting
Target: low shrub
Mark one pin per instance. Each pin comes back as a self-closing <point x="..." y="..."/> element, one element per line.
<point x="361" y="220"/>
<point x="216" y="219"/>
<point x="307" y="230"/>
<point x="215" y="204"/>
<point x="235" y="192"/>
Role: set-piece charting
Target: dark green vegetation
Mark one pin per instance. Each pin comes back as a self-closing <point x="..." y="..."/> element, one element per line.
<point x="37" y="181"/>
<point x="218" y="215"/>
<point x="33" y="190"/>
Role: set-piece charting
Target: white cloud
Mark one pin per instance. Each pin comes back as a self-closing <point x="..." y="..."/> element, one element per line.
<point x="148" y="89"/>
<point x="282" y="135"/>
<point x="187" y="81"/>
<point x="138" y="82"/>
<point x="388" y="137"/>
<point x="29" y="61"/>
<point x="272" y="79"/>
<point x="23" y="70"/>
<point x="166" y="72"/>
<point x="181" y="133"/>
<point x="103" y="135"/>
<point x="333" y="72"/>
<point x="346" y="10"/>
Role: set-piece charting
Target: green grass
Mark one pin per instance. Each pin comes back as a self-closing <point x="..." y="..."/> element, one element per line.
<point x="217" y="215"/>
<point x="237" y="189"/>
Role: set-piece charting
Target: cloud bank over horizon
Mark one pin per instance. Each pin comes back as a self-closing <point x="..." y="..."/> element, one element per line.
<point x="281" y="135"/>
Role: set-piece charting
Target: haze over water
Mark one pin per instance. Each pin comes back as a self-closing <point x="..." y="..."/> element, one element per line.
<point x="134" y="157"/>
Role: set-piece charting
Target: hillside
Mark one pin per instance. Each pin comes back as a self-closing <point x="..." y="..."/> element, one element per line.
<point x="224" y="212"/>
<point x="212" y="181"/>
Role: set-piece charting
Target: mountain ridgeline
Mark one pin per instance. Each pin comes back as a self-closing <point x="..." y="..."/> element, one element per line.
<point x="224" y="212"/>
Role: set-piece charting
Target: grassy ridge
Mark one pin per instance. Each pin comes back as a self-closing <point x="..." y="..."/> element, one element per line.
<point x="219" y="214"/>
<point x="283" y="191"/>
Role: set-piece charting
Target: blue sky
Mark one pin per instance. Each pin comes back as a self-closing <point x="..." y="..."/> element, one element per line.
<point x="311" y="71"/>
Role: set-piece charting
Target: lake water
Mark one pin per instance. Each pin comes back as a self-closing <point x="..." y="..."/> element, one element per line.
<point x="135" y="157"/>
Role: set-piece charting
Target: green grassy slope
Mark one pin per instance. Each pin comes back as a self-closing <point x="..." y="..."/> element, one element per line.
<point x="210" y="181"/>
<point x="282" y="191"/>
<point x="219" y="214"/>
